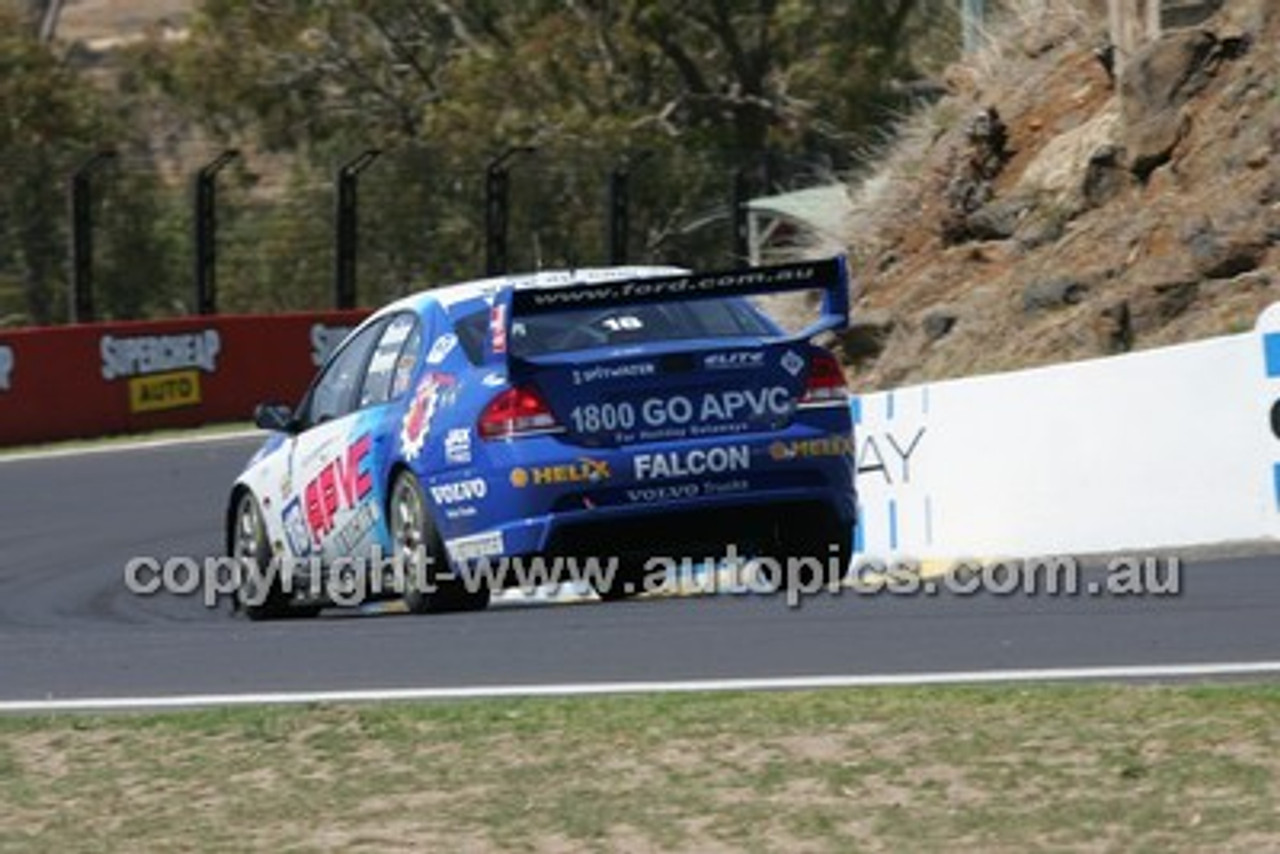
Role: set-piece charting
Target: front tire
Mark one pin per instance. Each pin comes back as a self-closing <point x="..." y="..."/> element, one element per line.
<point x="248" y="542"/>
<point x="423" y="556"/>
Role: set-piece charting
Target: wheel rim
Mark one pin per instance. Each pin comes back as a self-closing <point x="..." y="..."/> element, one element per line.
<point x="248" y="529"/>
<point x="246" y="545"/>
<point x="406" y="520"/>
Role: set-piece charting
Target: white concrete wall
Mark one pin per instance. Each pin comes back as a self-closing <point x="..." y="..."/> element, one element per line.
<point x="1168" y="447"/>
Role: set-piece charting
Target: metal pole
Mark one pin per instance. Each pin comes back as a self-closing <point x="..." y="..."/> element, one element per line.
<point x="620" y="206"/>
<point x="497" y="206"/>
<point x="206" y="232"/>
<point x="618" y="224"/>
<point x="81" y="209"/>
<point x="1154" y="22"/>
<point x="496" y="201"/>
<point x="347" y="228"/>
<point x="973" y="20"/>
<point x="738" y="218"/>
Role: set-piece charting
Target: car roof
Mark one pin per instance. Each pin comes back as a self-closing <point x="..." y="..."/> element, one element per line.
<point x="450" y="295"/>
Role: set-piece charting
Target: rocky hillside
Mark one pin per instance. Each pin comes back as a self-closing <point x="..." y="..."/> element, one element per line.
<point x="102" y="24"/>
<point x="1043" y="212"/>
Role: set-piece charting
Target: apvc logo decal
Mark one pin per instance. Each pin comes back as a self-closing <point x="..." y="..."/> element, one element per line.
<point x="682" y="416"/>
<point x="163" y="370"/>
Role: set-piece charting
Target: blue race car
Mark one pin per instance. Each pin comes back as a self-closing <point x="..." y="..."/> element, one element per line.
<point x="623" y="414"/>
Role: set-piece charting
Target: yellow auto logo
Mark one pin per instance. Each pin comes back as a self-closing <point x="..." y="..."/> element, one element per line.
<point x="170" y="390"/>
<point x="519" y="478"/>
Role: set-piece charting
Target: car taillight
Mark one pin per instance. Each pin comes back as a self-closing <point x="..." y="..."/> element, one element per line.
<point x="516" y="412"/>
<point x="825" y="384"/>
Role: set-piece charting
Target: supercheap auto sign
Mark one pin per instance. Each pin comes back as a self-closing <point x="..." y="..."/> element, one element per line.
<point x="96" y="379"/>
<point x="163" y="371"/>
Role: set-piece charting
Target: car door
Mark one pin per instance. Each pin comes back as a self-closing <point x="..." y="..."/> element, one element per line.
<point x="332" y="509"/>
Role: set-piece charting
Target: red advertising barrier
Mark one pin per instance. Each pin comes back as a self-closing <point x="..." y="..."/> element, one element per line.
<point x="98" y="379"/>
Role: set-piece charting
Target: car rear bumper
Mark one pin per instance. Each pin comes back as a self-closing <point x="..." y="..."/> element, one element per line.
<point x="695" y="529"/>
<point x="542" y="495"/>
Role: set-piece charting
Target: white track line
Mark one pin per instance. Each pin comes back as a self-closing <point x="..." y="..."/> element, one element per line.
<point x="974" y="677"/>
<point x="124" y="447"/>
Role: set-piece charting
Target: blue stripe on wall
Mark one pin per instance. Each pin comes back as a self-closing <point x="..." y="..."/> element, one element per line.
<point x="1271" y="350"/>
<point x="893" y="525"/>
<point x="928" y="520"/>
<point x="855" y="409"/>
<point x="1275" y="477"/>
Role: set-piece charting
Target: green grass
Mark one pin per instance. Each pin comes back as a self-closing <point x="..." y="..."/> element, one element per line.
<point x="128" y="438"/>
<point x="1063" y="768"/>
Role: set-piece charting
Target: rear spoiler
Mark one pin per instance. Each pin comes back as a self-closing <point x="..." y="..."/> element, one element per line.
<point x="831" y="276"/>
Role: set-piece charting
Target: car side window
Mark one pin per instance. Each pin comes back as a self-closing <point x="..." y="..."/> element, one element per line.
<point x="334" y="393"/>
<point x="393" y="361"/>
<point x="472" y="329"/>
<point x="408" y="360"/>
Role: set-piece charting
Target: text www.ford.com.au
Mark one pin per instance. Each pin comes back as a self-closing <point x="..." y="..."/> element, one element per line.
<point x="351" y="581"/>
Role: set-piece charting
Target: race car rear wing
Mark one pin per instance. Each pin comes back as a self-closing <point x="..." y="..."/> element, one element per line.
<point x="830" y="276"/>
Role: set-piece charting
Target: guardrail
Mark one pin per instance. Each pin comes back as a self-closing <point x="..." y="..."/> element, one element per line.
<point x="1170" y="447"/>
<point x="105" y="378"/>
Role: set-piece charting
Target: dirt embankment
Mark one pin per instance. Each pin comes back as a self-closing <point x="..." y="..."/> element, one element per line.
<point x="1044" y="211"/>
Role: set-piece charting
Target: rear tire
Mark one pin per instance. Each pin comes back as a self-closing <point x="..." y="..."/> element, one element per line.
<point x="811" y="554"/>
<point x="248" y="541"/>
<point x="414" y="537"/>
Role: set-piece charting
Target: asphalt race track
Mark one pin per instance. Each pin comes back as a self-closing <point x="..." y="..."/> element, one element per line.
<point x="70" y="629"/>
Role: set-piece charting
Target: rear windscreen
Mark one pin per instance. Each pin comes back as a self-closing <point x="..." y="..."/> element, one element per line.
<point x="585" y="328"/>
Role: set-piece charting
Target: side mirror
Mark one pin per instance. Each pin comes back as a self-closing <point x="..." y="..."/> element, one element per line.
<point x="274" y="416"/>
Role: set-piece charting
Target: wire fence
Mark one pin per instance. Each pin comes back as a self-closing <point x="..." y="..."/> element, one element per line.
<point x="421" y="222"/>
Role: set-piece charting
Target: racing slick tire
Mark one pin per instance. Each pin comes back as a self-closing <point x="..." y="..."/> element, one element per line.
<point x="811" y="554"/>
<point x="628" y="581"/>
<point x="415" y="538"/>
<point x="247" y="540"/>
